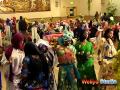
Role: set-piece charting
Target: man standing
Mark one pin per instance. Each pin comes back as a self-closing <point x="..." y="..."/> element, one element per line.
<point x="22" y="25"/>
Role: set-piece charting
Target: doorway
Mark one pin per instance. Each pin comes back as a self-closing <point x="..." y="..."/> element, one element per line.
<point x="71" y="11"/>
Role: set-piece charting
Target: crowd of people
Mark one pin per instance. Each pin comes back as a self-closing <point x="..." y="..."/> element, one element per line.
<point x="59" y="55"/>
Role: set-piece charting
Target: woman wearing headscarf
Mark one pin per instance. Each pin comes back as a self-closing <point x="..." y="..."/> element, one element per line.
<point x="68" y="73"/>
<point x="52" y="61"/>
<point x="85" y="60"/>
<point x="34" y="73"/>
<point x="15" y="55"/>
<point x="49" y="64"/>
<point x="67" y="33"/>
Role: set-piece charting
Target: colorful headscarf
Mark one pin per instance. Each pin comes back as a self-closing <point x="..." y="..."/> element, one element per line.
<point x="64" y="38"/>
<point x="68" y="33"/>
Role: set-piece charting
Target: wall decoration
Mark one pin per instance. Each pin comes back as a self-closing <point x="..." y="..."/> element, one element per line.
<point x="9" y="6"/>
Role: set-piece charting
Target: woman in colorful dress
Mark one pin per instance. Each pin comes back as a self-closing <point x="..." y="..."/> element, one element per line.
<point x="68" y="73"/>
<point x="34" y="72"/>
<point x="106" y="55"/>
<point x="85" y="60"/>
<point x="15" y="55"/>
<point x="50" y="64"/>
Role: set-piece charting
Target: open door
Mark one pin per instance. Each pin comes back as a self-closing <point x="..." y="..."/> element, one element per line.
<point x="71" y="11"/>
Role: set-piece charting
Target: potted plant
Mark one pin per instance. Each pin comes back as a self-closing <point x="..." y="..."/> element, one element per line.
<point x="111" y="9"/>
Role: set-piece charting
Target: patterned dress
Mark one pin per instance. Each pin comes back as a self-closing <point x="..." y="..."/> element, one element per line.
<point x="85" y="63"/>
<point x="68" y="73"/>
<point x="34" y="76"/>
<point x="108" y="52"/>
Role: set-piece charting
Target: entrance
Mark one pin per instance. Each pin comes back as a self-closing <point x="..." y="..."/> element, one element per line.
<point x="71" y="11"/>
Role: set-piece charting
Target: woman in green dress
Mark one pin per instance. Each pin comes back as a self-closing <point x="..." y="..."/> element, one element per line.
<point x="85" y="61"/>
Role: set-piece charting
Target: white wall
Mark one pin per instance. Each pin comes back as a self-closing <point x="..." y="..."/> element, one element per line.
<point x="95" y="6"/>
<point x="61" y="11"/>
<point x="81" y="6"/>
<point x="104" y="4"/>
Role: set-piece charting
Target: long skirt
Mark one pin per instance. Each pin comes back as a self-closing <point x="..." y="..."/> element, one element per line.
<point x="67" y="77"/>
<point x="87" y="72"/>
